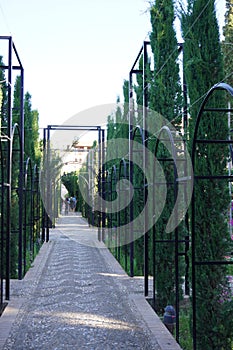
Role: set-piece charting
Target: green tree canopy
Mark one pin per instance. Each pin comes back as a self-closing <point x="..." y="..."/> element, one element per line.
<point x="203" y="67"/>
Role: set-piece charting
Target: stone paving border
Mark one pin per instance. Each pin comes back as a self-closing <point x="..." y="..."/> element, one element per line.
<point x="150" y="320"/>
<point x="15" y="303"/>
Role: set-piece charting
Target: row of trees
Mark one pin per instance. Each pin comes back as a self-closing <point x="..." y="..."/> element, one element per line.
<point x="206" y="61"/>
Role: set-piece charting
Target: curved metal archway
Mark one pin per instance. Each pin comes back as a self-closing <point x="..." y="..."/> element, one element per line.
<point x="3" y="233"/>
<point x="123" y="215"/>
<point x="28" y="242"/>
<point x="137" y="137"/>
<point x="107" y="198"/>
<point x="17" y="189"/>
<point x="169" y="159"/>
<point x="36" y="211"/>
<point x="202" y="149"/>
<point x="6" y="154"/>
<point x="113" y="215"/>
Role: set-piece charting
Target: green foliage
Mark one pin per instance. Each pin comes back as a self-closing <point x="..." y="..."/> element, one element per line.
<point x="203" y="64"/>
<point x="166" y="99"/>
<point x="3" y="95"/>
<point x="32" y="151"/>
<point x="165" y="94"/>
<point x="186" y="340"/>
<point x="15" y="183"/>
<point x="117" y="128"/>
<point x="227" y="43"/>
<point x="31" y="131"/>
<point x="204" y="68"/>
<point x="70" y="181"/>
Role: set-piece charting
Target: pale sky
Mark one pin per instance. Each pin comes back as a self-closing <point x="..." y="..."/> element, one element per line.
<point x="76" y="53"/>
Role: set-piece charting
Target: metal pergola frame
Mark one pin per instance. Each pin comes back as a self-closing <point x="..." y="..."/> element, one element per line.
<point x="12" y="146"/>
<point x="6" y="223"/>
<point x="124" y="174"/>
<point x="19" y="189"/>
<point x="144" y="51"/>
<point x="200" y="177"/>
<point x="139" y="135"/>
<point x="113" y="216"/>
<point x="165" y="135"/>
<point x="47" y="220"/>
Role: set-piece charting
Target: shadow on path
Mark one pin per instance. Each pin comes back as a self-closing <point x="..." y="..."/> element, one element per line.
<point x="76" y="296"/>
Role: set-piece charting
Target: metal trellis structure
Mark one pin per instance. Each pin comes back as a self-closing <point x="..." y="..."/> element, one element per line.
<point x="202" y="142"/>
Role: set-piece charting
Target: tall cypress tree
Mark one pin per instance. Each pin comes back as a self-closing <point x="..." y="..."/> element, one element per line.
<point x="31" y="150"/>
<point x="31" y="130"/>
<point x="3" y="95"/>
<point x="117" y="128"/>
<point x="166" y="99"/>
<point x="203" y="64"/>
<point x="227" y="44"/>
<point x="204" y="68"/>
<point x="165" y="89"/>
<point x="35" y="137"/>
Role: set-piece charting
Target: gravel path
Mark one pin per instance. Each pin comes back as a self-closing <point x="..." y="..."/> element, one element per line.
<point x="77" y="297"/>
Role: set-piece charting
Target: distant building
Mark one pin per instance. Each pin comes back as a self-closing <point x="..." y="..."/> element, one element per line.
<point x="75" y="157"/>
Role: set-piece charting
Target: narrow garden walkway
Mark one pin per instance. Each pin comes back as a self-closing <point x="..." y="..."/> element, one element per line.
<point x="76" y="297"/>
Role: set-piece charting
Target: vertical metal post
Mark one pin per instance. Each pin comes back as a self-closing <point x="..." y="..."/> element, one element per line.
<point x="34" y="222"/>
<point x="9" y="169"/>
<point x="25" y="221"/>
<point x="21" y="175"/>
<point x="176" y="254"/>
<point x="89" y="187"/>
<point x="31" y="214"/>
<point x="185" y="124"/>
<point x="185" y="96"/>
<point x="103" y="183"/>
<point x="194" y="325"/>
<point x="99" y="183"/>
<point x="145" y="165"/>
<point x="2" y="226"/>
<point x="131" y="253"/>
<point x="48" y="186"/>
<point x="43" y="187"/>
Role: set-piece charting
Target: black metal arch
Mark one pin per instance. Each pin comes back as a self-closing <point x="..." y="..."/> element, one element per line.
<point x="107" y="197"/>
<point x="12" y="155"/>
<point x="16" y="137"/>
<point x="7" y="154"/>
<point x="3" y="233"/>
<point x="206" y="106"/>
<point x="137" y="134"/>
<point x="28" y="215"/>
<point x="123" y="174"/>
<point x="118" y="217"/>
<point x="165" y="135"/>
<point x="219" y="86"/>
<point x="124" y="217"/>
<point x="113" y="215"/>
<point x="36" y="211"/>
<point x="165" y="130"/>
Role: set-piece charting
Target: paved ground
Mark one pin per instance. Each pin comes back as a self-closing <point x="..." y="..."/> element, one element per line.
<point x="77" y="297"/>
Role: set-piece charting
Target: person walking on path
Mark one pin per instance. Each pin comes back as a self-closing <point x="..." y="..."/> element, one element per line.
<point x="67" y="205"/>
